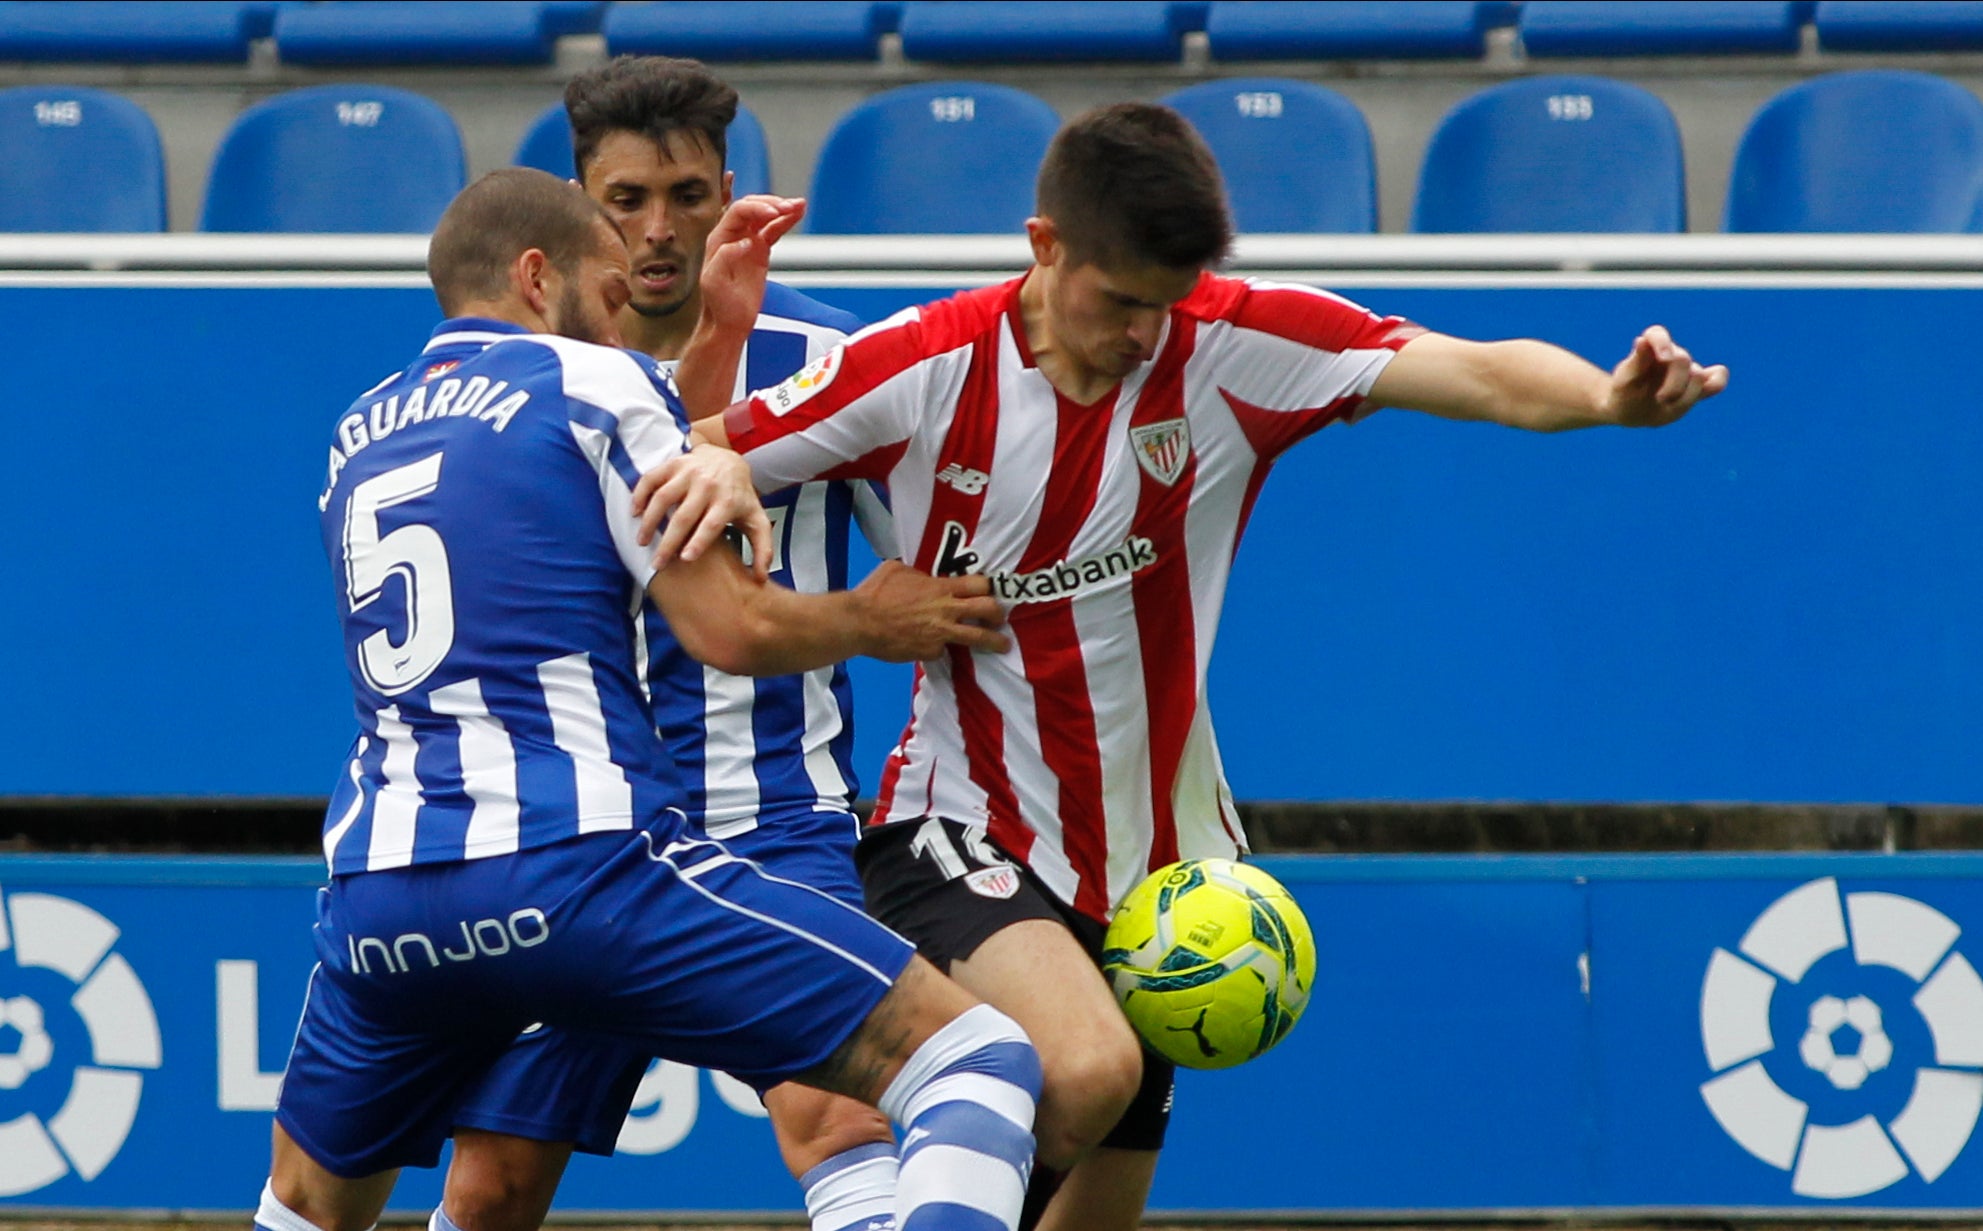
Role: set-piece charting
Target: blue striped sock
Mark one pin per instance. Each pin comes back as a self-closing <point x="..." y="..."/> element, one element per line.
<point x="965" y="1101"/>
<point x="853" y="1191"/>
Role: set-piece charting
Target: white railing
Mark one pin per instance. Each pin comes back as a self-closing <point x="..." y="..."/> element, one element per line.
<point x="869" y="254"/>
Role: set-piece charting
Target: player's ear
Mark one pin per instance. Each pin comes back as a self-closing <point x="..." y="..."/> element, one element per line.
<point x="729" y="186"/>
<point x="1045" y="239"/>
<point x="527" y="279"/>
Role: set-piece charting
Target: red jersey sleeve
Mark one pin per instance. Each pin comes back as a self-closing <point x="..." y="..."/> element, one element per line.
<point x="848" y="414"/>
<point x="1296" y="359"/>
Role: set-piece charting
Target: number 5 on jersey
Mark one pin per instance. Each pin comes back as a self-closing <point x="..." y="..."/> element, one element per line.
<point x="416" y="555"/>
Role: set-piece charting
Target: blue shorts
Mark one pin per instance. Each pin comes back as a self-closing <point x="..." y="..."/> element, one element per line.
<point x="566" y="1085"/>
<point x="665" y="943"/>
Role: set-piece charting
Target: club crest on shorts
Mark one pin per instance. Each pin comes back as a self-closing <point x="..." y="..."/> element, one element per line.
<point x="1161" y="448"/>
<point x="999" y="882"/>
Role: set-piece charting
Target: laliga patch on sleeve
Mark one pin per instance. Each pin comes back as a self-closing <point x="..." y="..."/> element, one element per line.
<point x="999" y="882"/>
<point x="802" y="385"/>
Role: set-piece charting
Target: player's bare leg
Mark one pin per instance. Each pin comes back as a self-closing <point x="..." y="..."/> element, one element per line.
<point x="813" y="1125"/>
<point x="497" y="1182"/>
<point x="309" y="1196"/>
<point x="1106" y="1191"/>
<point x="1090" y="1059"/>
<point x="842" y="1152"/>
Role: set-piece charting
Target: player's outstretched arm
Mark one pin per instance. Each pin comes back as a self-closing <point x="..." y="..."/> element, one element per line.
<point x="739" y="624"/>
<point x="736" y="264"/>
<point x="1544" y="388"/>
<point x="700" y="494"/>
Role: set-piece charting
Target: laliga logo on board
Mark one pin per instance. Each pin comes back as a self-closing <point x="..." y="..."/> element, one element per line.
<point x="1844" y="1002"/>
<point x="42" y="1141"/>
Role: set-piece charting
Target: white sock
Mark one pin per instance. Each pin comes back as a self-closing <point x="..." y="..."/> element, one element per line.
<point x="852" y="1191"/>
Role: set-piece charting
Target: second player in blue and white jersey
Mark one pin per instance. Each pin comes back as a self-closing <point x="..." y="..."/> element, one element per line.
<point x="750" y="749"/>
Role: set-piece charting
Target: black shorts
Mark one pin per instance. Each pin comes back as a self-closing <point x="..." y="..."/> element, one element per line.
<point x="948" y="888"/>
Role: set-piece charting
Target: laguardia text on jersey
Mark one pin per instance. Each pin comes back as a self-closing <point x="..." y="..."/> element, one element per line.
<point x="477" y="398"/>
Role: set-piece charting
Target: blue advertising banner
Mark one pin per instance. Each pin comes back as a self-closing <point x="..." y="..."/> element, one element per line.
<point x="1798" y="1033"/>
<point x="1772" y="600"/>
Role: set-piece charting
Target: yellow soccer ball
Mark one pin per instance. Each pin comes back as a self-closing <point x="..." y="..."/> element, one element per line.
<point x="1212" y="961"/>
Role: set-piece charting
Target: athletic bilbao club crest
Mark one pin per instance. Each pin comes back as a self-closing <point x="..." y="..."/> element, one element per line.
<point x="1161" y="448"/>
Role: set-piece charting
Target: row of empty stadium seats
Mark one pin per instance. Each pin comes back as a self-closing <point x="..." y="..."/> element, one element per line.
<point x="1877" y="150"/>
<point x="349" y="32"/>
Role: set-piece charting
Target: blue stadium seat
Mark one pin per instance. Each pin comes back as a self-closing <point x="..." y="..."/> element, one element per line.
<point x="336" y="158"/>
<point x="546" y="145"/>
<point x="261" y="16"/>
<point x="131" y="31"/>
<point x="1296" y="156"/>
<point x="1900" y="25"/>
<point x="990" y="30"/>
<point x="562" y="17"/>
<point x="1554" y="154"/>
<point x="358" y="32"/>
<point x="1659" y="27"/>
<point x="751" y="29"/>
<point x="749" y="154"/>
<point x="1879" y="150"/>
<point x="75" y="159"/>
<point x="949" y="157"/>
<point x="1330" y="30"/>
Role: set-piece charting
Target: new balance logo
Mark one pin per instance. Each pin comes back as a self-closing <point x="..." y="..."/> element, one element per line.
<point x="963" y="478"/>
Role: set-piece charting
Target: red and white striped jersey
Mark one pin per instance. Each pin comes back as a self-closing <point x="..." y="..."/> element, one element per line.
<point x="1108" y="531"/>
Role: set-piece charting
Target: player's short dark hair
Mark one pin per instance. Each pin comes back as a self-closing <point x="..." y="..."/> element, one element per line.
<point x="1133" y="183"/>
<point x="496" y="219"/>
<point x="654" y="96"/>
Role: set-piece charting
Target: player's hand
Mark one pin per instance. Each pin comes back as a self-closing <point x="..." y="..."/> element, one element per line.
<point x="913" y="615"/>
<point x="737" y="259"/>
<point x="1659" y="381"/>
<point x="700" y="494"/>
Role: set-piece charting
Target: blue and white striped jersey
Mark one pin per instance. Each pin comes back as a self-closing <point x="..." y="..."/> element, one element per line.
<point x="477" y="519"/>
<point x="747" y="746"/>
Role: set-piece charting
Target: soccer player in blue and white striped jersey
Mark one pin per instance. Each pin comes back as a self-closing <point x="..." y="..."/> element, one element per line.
<point x="767" y="762"/>
<point x="504" y="849"/>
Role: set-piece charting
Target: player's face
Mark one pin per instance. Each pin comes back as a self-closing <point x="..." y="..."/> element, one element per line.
<point x="1110" y="319"/>
<point x="665" y="198"/>
<point x="588" y="304"/>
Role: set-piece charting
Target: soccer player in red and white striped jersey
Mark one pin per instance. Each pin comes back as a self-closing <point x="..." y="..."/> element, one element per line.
<point x="1091" y="437"/>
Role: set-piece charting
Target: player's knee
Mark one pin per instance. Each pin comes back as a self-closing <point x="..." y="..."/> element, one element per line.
<point x="491" y="1205"/>
<point x="499" y="1189"/>
<point x="1087" y="1090"/>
